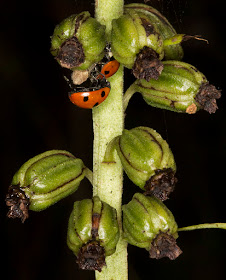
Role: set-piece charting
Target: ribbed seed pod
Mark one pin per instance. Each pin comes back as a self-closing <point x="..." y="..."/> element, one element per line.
<point x="42" y="181"/>
<point x="147" y="160"/>
<point x="78" y="42"/>
<point x="173" y="51"/>
<point x="137" y="44"/>
<point x="180" y="88"/>
<point x="93" y="232"/>
<point x="149" y="224"/>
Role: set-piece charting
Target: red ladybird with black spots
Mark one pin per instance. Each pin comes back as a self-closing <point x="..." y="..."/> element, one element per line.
<point x="109" y="69"/>
<point x="88" y="98"/>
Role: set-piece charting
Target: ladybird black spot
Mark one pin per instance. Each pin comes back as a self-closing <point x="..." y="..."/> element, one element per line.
<point x="103" y="93"/>
<point x="86" y="98"/>
<point x="95" y="104"/>
<point x="106" y="72"/>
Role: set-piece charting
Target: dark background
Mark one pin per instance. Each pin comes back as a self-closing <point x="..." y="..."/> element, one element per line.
<point x="36" y="116"/>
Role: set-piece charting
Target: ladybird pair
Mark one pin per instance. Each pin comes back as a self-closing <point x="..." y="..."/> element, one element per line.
<point x="89" y="97"/>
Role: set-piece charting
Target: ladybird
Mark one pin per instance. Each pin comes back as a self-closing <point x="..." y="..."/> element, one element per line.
<point x="109" y="69"/>
<point x="88" y="98"/>
<point x="109" y="66"/>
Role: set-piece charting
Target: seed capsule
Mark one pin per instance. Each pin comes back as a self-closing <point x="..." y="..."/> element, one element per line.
<point x="78" y="42"/>
<point x="42" y="181"/>
<point x="93" y="232"/>
<point x="147" y="160"/>
<point x="137" y="44"/>
<point x="180" y="88"/>
<point x="149" y="224"/>
<point x="171" y="51"/>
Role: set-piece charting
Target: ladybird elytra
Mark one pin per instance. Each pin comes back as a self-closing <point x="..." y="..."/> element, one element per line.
<point x="110" y="68"/>
<point x="89" y="99"/>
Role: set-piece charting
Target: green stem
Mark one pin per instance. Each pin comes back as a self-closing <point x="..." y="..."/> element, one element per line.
<point x="89" y="175"/>
<point x="204" y="226"/>
<point x="106" y="11"/>
<point x="128" y="94"/>
<point x="108" y="122"/>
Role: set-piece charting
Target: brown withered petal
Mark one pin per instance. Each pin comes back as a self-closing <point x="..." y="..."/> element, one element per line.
<point x="147" y="65"/>
<point x="207" y="97"/>
<point x="18" y="203"/>
<point x="91" y="256"/>
<point x="161" y="184"/>
<point x="71" y="53"/>
<point x="164" y="245"/>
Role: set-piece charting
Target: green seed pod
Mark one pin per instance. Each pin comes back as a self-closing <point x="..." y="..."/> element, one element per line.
<point x="93" y="232"/>
<point x="180" y="88"/>
<point x="149" y="224"/>
<point x="78" y="42"/>
<point x="42" y="181"/>
<point x="171" y="51"/>
<point x="137" y="44"/>
<point x="147" y="160"/>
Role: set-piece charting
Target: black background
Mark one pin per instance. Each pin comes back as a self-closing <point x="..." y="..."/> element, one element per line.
<point x="36" y="116"/>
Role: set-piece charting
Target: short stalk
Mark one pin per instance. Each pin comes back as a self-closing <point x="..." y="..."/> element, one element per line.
<point x="109" y="156"/>
<point x="108" y="122"/>
<point x="127" y="96"/>
<point x="89" y="175"/>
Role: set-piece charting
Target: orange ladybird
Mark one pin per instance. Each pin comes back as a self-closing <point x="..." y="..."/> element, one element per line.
<point x="110" y="68"/>
<point x="89" y="99"/>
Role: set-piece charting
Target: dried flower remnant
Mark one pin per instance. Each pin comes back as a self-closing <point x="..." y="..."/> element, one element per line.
<point x="147" y="65"/>
<point x="164" y="245"/>
<point x="71" y="54"/>
<point x="18" y="202"/>
<point x="206" y="98"/>
<point x="91" y="257"/>
<point x="161" y="184"/>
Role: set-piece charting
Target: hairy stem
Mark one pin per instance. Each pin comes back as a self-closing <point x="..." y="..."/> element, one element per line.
<point x="106" y="11"/>
<point x="108" y="122"/>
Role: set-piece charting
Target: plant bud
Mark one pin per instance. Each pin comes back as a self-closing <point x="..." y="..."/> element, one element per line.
<point x="42" y="181"/>
<point x="172" y="51"/>
<point x="180" y="88"/>
<point x="93" y="232"/>
<point x="78" y="42"/>
<point x="149" y="224"/>
<point x="147" y="160"/>
<point x="137" y="44"/>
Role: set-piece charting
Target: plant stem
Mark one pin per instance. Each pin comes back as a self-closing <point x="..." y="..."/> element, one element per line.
<point x="204" y="226"/>
<point x="108" y="122"/>
<point x="106" y="11"/>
